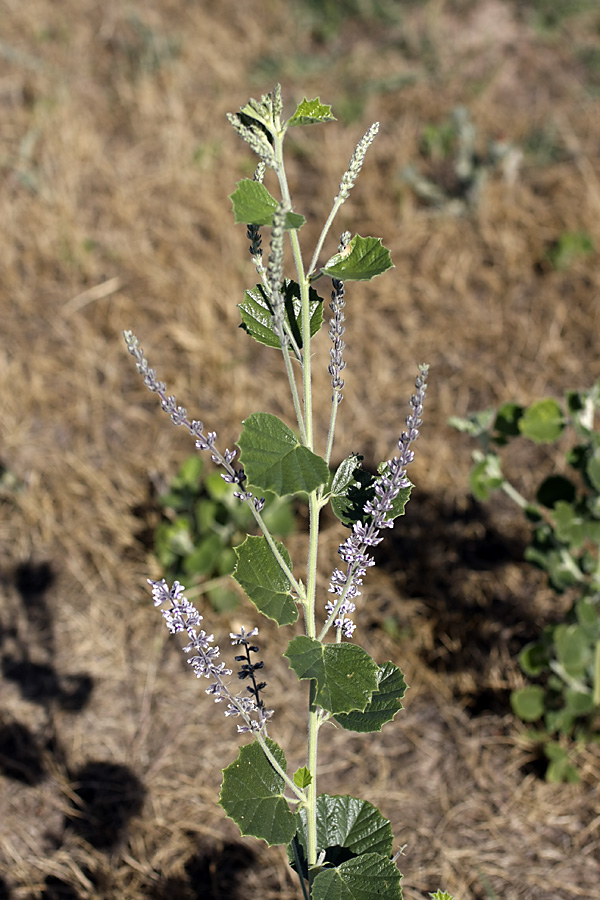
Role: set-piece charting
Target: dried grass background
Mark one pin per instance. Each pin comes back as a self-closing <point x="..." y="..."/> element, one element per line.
<point x="117" y="163"/>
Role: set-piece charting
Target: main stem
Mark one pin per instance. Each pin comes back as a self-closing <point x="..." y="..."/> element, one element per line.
<point x="314" y="510"/>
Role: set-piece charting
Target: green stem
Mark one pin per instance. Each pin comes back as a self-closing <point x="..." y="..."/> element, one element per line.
<point x="304" y="295"/>
<point x="300" y="794"/>
<point x="596" y="695"/>
<point x="311" y="802"/>
<point x="332" y="420"/>
<point x="280" y="560"/>
<point x="334" y="210"/>
<point x="294" y="392"/>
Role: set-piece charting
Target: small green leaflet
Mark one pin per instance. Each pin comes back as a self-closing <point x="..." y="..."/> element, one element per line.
<point x="346" y="675"/>
<point x="274" y="459"/>
<point x="362" y="259"/>
<point x="257" y="315"/>
<point x="254" y="205"/>
<point x="302" y="777"/>
<point x="258" y="573"/>
<point x="252" y="795"/>
<point x="311" y="112"/>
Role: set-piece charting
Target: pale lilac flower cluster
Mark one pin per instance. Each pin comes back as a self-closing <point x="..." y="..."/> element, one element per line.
<point x="178" y="415"/>
<point x="378" y="514"/>
<point x="182" y="616"/>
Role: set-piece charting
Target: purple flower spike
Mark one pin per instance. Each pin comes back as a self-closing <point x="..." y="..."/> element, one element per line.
<point x="378" y="514"/>
<point x="181" y="615"/>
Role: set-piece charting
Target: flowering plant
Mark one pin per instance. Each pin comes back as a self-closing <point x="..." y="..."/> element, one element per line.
<point x="339" y="846"/>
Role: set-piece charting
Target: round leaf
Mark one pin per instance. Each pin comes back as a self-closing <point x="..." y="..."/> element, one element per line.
<point x="542" y="422"/>
<point x="346" y="675"/>
<point x="252" y="795"/>
<point x="528" y="703"/>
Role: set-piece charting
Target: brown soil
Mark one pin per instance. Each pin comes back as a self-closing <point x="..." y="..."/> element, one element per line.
<point x="117" y="162"/>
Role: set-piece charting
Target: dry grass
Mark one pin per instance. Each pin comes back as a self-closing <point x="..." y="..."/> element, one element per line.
<point x="116" y="165"/>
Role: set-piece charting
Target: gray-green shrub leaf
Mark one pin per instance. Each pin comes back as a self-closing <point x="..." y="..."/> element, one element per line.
<point x="257" y="314"/>
<point x="542" y="422"/>
<point x="528" y="702"/>
<point x="274" y="459"/>
<point x="363" y="259"/>
<point x="254" y="205"/>
<point x="383" y="705"/>
<point x="311" y="112"/>
<point x="253" y="795"/>
<point x="259" y="574"/>
<point x="345" y="674"/>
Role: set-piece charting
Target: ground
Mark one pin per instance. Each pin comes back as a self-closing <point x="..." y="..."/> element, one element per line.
<point x="117" y="162"/>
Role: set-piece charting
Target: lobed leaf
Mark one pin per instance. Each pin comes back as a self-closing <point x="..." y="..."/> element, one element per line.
<point x="311" y="112"/>
<point x="345" y="674"/>
<point x="259" y="574"/>
<point x="346" y="827"/>
<point x="252" y="795"/>
<point x="367" y="877"/>
<point x="383" y="705"/>
<point x="275" y="460"/>
<point x="254" y="205"/>
<point x="361" y="260"/>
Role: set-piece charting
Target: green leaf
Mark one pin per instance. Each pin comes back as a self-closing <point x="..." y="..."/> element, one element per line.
<point x="506" y="423"/>
<point x="311" y="112"/>
<point x="578" y="703"/>
<point x="346" y="827"/>
<point x="352" y="487"/>
<point x="302" y="777"/>
<point x="274" y="460"/>
<point x="592" y="470"/>
<point x="257" y="313"/>
<point x="252" y="795"/>
<point x="258" y="573"/>
<point x="441" y="895"/>
<point x="588" y="616"/>
<point x="533" y="659"/>
<point x="560" y="768"/>
<point x="205" y="558"/>
<point x="528" y="703"/>
<point x="254" y="205"/>
<point x="363" y="259"/>
<point x="475" y="424"/>
<point x="570" y="527"/>
<point x="573" y="649"/>
<point x="486" y="476"/>
<point x="542" y="422"/>
<point x="367" y="877"/>
<point x="383" y="705"/>
<point x="346" y="675"/>
<point x="570" y="246"/>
